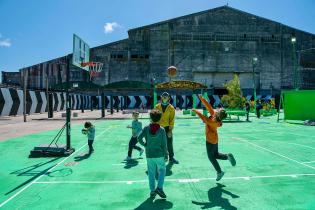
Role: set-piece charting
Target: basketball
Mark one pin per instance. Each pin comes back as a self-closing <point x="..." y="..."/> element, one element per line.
<point x="84" y="131"/>
<point x="172" y="71"/>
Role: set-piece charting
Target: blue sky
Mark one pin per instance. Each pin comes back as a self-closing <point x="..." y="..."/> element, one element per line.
<point x="35" y="31"/>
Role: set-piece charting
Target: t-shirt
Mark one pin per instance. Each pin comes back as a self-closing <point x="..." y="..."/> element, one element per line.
<point x="168" y="115"/>
<point x="155" y="144"/>
<point x="91" y="133"/>
<point x="136" y="128"/>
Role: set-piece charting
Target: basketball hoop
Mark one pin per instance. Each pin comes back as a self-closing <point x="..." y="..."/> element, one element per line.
<point x="94" y="68"/>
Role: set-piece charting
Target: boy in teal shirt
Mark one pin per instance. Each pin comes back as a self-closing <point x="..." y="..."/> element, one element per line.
<point x="136" y="129"/>
<point x="89" y="130"/>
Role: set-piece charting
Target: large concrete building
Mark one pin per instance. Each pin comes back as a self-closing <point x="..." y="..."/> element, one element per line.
<point x="210" y="47"/>
<point x="11" y="78"/>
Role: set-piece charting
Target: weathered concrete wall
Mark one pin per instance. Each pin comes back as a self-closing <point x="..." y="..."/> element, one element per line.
<point x="54" y="70"/>
<point x="207" y="47"/>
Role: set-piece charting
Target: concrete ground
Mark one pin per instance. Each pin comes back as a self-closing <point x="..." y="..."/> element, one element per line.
<point x="14" y="126"/>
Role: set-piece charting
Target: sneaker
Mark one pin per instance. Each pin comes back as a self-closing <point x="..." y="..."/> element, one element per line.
<point x="160" y="192"/>
<point x="141" y="152"/>
<point x="127" y="158"/>
<point x="174" y="161"/>
<point x="231" y="159"/>
<point x="219" y="176"/>
<point x="152" y="194"/>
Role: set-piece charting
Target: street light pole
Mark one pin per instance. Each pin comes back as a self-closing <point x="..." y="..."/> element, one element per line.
<point x="254" y="62"/>
<point x="154" y="92"/>
<point x="295" y="82"/>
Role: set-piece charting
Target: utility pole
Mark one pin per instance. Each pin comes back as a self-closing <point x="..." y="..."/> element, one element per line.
<point x="295" y="82"/>
<point x="47" y="95"/>
<point x="24" y="94"/>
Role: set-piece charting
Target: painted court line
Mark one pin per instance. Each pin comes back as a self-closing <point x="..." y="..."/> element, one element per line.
<point x="310" y="162"/>
<point x="291" y="133"/>
<point x="247" y="178"/>
<point x="301" y="145"/>
<point x="27" y="186"/>
<point x="278" y="154"/>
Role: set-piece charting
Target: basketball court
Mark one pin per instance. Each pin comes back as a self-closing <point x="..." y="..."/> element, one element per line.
<point x="275" y="163"/>
<point x="275" y="169"/>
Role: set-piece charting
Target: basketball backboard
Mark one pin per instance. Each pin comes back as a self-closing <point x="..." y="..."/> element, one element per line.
<point x="81" y="52"/>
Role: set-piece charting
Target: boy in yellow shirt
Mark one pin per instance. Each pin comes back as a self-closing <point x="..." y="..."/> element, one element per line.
<point x="167" y="122"/>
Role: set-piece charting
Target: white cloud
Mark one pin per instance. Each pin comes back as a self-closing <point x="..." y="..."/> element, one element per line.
<point x="5" y="43"/>
<point x="110" y="27"/>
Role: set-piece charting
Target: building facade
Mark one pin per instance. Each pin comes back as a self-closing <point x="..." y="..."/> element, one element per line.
<point x="208" y="47"/>
<point x="50" y="73"/>
<point x="11" y="78"/>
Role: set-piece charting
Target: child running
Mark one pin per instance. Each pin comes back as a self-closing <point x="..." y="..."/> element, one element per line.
<point x="136" y="127"/>
<point x="212" y="123"/>
<point x="156" y="152"/>
<point x="89" y="130"/>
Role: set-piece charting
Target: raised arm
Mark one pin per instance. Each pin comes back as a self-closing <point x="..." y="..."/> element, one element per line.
<point x="207" y="105"/>
<point x="206" y="120"/>
<point x="201" y="116"/>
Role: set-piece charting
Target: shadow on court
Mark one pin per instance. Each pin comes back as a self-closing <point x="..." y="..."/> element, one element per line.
<point x="30" y="171"/>
<point x="131" y="163"/>
<point x="157" y="204"/>
<point x="216" y="200"/>
<point x="82" y="157"/>
<point x="60" y="172"/>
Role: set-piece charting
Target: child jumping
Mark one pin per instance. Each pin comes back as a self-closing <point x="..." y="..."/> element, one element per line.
<point x="212" y="123"/>
<point x="89" y="130"/>
<point x="136" y="129"/>
<point x="156" y="152"/>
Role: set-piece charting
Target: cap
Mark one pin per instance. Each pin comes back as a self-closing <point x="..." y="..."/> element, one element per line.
<point x="165" y="94"/>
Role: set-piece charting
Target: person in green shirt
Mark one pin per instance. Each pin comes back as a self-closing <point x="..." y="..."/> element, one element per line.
<point x="156" y="152"/>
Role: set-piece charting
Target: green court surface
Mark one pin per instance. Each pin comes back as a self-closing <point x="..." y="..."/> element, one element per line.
<point x="275" y="170"/>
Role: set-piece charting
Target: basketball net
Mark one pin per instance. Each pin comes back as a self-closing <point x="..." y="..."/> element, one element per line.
<point x="94" y="68"/>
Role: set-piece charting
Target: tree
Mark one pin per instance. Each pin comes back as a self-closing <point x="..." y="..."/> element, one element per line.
<point x="234" y="98"/>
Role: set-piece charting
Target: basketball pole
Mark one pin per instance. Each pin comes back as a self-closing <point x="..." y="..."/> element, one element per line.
<point x="68" y="110"/>
<point x="24" y="95"/>
<point x="103" y="103"/>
